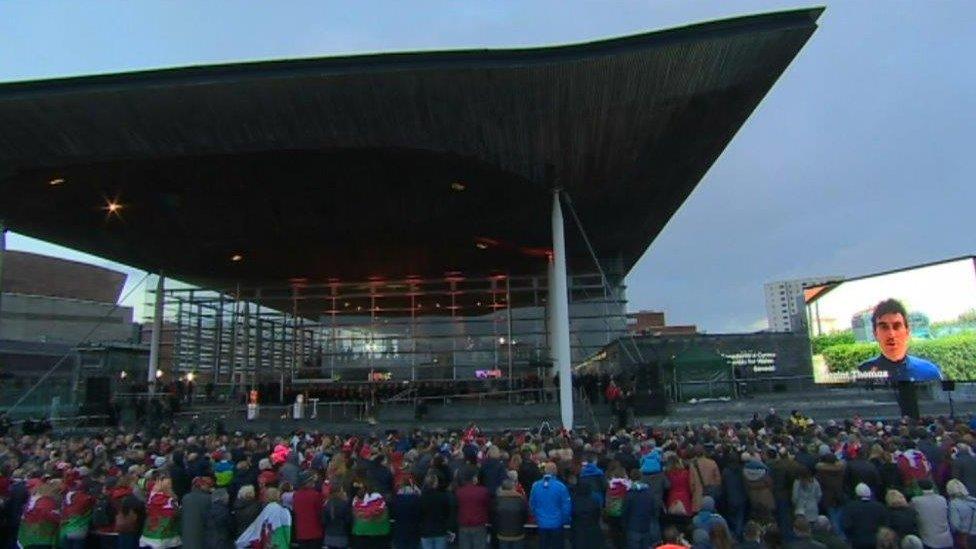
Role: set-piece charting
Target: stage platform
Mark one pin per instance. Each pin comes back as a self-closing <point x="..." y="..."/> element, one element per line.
<point x="820" y="404"/>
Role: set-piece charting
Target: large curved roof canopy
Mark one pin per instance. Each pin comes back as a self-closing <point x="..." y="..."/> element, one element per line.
<point x="391" y="165"/>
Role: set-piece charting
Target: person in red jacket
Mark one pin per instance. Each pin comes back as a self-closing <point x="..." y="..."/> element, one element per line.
<point x="307" y="505"/>
<point x="473" y="505"/>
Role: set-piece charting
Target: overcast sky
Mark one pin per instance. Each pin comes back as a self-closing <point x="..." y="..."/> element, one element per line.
<point x="856" y="162"/>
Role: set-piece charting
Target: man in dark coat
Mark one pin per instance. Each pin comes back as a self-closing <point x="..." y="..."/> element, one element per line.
<point x="803" y="540"/>
<point x="179" y="475"/>
<point x="862" y="517"/>
<point x="509" y="514"/>
<point x="586" y="531"/>
<point x="860" y="470"/>
<point x="194" y="513"/>
<point x="219" y="522"/>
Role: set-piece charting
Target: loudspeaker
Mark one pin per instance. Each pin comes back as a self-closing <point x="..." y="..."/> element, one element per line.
<point x="948" y="385"/>
<point x="907" y="396"/>
<point x="649" y="395"/>
<point x="98" y="390"/>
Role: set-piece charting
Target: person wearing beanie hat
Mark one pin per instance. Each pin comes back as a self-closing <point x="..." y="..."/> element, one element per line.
<point x="706" y="517"/>
<point x="862" y="517"/>
<point x="307" y="505"/>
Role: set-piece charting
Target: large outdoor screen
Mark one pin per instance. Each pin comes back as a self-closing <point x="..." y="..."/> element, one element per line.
<point x="940" y="300"/>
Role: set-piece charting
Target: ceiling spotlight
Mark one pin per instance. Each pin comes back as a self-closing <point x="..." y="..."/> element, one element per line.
<point x="113" y="207"/>
<point x="481" y="246"/>
<point x="236" y="258"/>
<point x="56" y="181"/>
<point x="458" y="186"/>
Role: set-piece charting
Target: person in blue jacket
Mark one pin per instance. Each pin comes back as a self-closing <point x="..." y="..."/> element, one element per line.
<point x="552" y="508"/>
<point x="594" y="478"/>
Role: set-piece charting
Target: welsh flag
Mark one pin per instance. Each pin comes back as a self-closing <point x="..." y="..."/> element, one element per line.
<point x="162" y="528"/>
<point x="370" y="516"/>
<point x="616" y="492"/>
<point x="39" y="525"/>
<point x="271" y="530"/>
<point x="76" y="512"/>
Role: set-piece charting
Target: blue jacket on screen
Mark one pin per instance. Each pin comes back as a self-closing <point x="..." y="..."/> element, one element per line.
<point x="910" y="368"/>
<point x="550" y="503"/>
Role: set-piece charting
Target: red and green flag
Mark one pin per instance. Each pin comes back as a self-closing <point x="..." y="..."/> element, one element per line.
<point x="271" y="530"/>
<point x="162" y="529"/>
<point x="370" y="516"/>
<point x="39" y="525"/>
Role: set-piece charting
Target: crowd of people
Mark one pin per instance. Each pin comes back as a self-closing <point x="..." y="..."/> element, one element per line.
<point x="770" y="482"/>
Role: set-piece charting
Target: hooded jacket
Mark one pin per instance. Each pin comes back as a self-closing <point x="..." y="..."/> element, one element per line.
<point x="639" y="509"/>
<point x="760" y="488"/>
<point x="593" y="477"/>
<point x="831" y="479"/>
<point x="550" y="503"/>
<point x="405" y="513"/>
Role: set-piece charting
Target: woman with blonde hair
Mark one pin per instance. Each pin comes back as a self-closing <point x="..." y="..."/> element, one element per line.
<point x="902" y="518"/>
<point x="962" y="514"/>
<point x="887" y="539"/>
<point x="679" y="479"/>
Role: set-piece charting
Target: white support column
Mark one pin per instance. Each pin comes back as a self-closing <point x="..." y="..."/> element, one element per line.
<point x="559" y="306"/>
<point x="3" y="250"/>
<point x="156" y="334"/>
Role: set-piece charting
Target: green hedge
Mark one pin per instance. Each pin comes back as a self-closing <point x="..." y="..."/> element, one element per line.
<point x="822" y="342"/>
<point x="956" y="355"/>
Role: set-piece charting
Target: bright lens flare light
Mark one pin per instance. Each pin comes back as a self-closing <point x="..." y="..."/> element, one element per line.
<point x="113" y="207"/>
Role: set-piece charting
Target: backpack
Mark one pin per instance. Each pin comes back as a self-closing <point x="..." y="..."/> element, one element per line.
<point x="651" y="463"/>
<point x="102" y="513"/>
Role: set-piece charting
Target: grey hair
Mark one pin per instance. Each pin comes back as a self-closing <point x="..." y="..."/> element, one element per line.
<point x="220" y="495"/>
<point x="911" y="541"/>
<point x="246" y="492"/>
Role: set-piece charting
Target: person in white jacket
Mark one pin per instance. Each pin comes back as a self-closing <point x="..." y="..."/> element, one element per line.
<point x="806" y="496"/>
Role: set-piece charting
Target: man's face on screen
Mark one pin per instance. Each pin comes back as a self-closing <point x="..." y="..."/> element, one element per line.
<point x="893" y="335"/>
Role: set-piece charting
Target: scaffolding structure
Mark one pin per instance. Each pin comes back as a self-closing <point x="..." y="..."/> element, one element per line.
<point x="450" y="328"/>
